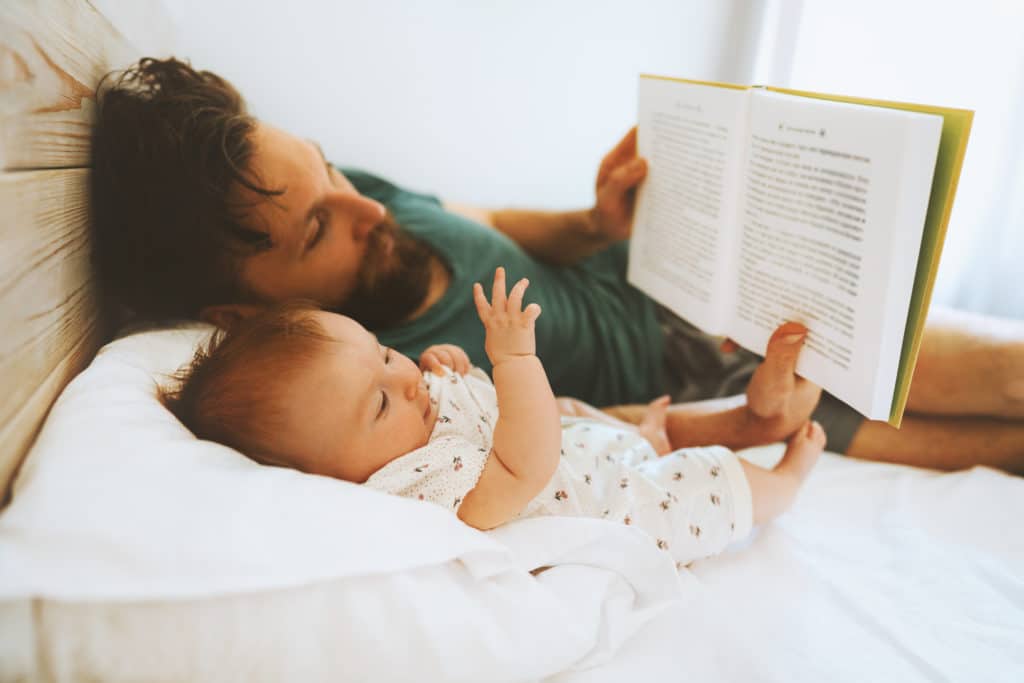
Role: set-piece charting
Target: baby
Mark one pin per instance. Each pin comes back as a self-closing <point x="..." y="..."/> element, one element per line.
<point x="315" y="391"/>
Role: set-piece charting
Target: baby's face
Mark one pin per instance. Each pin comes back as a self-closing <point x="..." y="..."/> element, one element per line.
<point x="354" y="407"/>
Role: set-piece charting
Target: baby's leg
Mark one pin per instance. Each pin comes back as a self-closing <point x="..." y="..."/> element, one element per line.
<point x="774" y="490"/>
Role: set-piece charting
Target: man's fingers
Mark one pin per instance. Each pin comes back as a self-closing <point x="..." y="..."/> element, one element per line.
<point x="627" y="176"/>
<point x="623" y="151"/>
<point x="728" y="346"/>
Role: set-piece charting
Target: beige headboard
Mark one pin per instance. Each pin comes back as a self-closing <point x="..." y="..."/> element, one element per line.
<point x="52" y="54"/>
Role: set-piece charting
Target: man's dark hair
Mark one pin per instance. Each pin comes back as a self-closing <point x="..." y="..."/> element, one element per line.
<point x="170" y="150"/>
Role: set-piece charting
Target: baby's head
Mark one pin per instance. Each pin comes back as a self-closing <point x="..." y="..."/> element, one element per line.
<point x="303" y="388"/>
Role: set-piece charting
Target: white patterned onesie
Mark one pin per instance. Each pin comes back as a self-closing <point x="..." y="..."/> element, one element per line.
<point x="693" y="502"/>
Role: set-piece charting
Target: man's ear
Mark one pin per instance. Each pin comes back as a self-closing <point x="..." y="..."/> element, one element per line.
<point x="226" y="315"/>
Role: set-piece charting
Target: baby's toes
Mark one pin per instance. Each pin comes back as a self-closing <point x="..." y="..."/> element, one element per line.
<point x="816" y="434"/>
<point x="810" y="437"/>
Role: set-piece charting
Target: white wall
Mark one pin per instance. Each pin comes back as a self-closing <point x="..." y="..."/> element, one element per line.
<point x="968" y="55"/>
<point x="494" y="102"/>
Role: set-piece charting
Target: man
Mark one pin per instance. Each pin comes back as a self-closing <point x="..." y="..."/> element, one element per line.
<point x="200" y="210"/>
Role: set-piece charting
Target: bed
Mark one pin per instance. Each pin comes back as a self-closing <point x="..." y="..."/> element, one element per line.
<point x="131" y="551"/>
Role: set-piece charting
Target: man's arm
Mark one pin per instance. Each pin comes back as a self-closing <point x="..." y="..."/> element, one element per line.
<point x="561" y="238"/>
<point x="567" y="237"/>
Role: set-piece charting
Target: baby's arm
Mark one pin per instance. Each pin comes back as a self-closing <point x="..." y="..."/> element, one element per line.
<point x="528" y="434"/>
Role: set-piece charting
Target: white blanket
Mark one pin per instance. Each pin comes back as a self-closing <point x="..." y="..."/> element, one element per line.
<point x="879" y="572"/>
<point x="131" y="551"/>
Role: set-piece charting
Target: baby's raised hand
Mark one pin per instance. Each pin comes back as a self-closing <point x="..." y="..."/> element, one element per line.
<point x="510" y="332"/>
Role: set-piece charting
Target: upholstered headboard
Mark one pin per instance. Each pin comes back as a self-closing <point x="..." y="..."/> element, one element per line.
<point x="52" y="55"/>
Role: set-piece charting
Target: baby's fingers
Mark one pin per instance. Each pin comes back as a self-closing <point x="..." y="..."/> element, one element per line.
<point x="462" y="364"/>
<point x="498" y="290"/>
<point x="532" y="312"/>
<point x="515" y="297"/>
<point x="483" y="309"/>
<point x="429" y="361"/>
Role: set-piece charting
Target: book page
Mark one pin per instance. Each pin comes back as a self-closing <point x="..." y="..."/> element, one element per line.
<point x="691" y="135"/>
<point x="834" y="199"/>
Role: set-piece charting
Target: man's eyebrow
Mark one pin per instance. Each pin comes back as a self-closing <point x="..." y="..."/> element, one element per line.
<point x="319" y="149"/>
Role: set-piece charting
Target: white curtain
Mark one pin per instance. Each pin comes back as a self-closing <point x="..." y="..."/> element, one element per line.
<point x="943" y="52"/>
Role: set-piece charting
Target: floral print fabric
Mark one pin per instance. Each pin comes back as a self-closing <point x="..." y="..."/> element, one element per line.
<point x="692" y="502"/>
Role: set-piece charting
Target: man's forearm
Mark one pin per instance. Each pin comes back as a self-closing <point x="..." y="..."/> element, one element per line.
<point x="560" y="238"/>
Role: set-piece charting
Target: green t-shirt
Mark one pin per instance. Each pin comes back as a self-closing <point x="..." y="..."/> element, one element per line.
<point x="597" y="335"/>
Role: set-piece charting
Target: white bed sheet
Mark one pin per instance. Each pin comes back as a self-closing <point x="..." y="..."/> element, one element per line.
<point x="879" y="572"/>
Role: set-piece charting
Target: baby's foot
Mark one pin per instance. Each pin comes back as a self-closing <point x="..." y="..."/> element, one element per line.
<point x="779" y="401"/>
<point x="802" y="451"/>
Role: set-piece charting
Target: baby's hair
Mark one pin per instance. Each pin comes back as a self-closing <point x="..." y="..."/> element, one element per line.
<point x="231" y="390"/>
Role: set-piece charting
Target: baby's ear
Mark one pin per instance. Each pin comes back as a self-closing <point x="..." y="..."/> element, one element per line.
<point x="225" y="316"/>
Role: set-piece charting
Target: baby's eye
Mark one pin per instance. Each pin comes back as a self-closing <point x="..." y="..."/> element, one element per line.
<point x="387" y="356"/>
<point x="383" y="405"/>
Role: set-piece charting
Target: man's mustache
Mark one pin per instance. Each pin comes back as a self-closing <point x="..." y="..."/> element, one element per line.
<point x="393" y="277"/>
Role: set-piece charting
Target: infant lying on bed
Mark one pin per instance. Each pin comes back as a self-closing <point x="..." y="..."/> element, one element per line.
<point x="315" y="391"/>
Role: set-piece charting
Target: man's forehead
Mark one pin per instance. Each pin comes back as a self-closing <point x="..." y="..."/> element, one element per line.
<point x="281" y="155"/>
<point x="280" y="161"/>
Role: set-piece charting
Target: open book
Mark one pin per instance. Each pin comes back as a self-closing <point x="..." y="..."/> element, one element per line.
<point x="764" y="205"/>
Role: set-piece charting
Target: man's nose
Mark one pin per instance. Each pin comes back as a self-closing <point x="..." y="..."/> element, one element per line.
<point x="365" y="213"/>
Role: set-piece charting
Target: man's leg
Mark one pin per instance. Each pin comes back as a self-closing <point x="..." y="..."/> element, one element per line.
<point x="944" y="443"/>
<point x="969" y="364"/>
<point x="966" y="403"/>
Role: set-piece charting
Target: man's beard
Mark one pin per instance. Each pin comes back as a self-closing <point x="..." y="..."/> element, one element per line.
<point x="389" y="286"/>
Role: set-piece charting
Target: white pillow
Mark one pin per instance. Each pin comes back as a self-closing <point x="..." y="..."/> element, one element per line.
<point x="124" y="528"/>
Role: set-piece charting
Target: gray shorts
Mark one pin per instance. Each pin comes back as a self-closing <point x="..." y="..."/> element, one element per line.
<point x="696" y="370"/>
